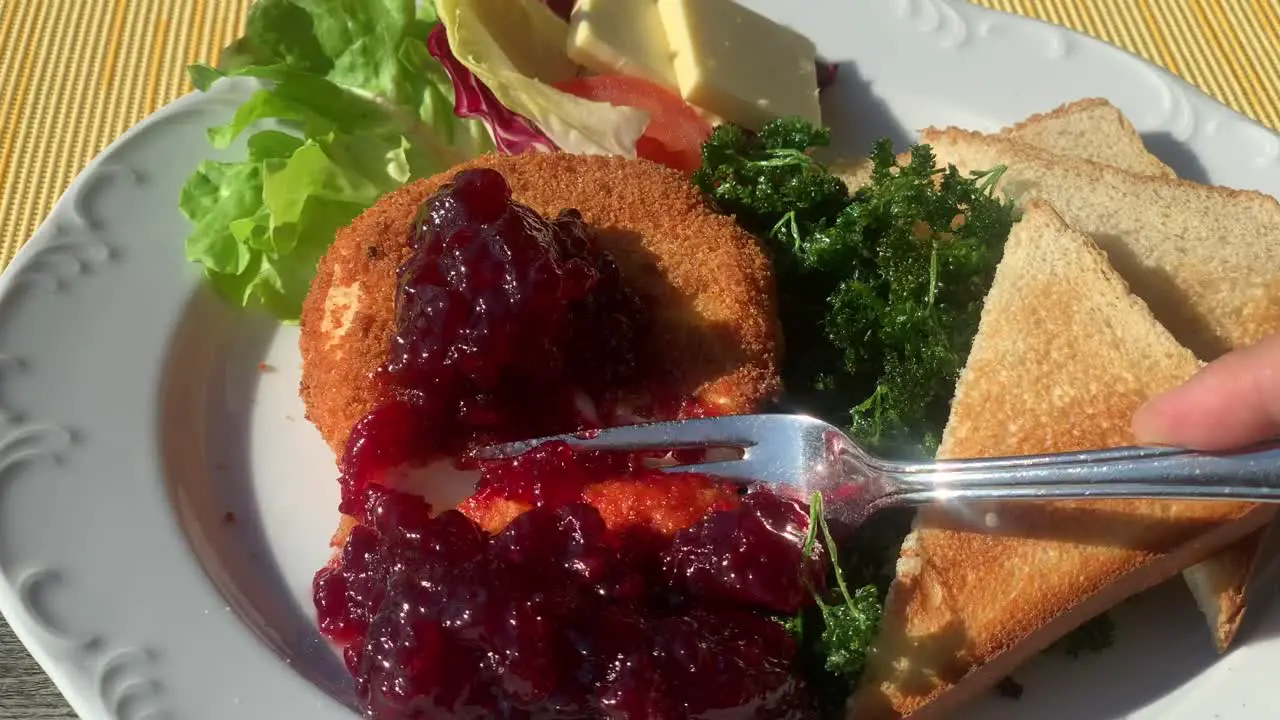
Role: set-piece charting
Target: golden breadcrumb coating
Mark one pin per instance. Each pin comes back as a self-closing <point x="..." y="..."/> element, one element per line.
<point x="707" y="283"/>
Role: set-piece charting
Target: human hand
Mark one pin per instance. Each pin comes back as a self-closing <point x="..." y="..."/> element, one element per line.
<point x="1233" y="401"/>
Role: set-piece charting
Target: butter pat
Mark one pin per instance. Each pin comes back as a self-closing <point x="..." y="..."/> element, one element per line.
<point x="621" y="36"/>
<point x="739" y="64"/>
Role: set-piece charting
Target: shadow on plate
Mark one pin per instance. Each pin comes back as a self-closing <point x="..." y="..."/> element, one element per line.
<point x="211" y="381"/>
<point x="1172" y="152"/>
<point x="1122" y="679"/>
<point x="857" y="116"/>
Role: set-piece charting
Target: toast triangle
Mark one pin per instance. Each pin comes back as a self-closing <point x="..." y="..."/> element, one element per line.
<point x="1092" y="129"/>
<point x="1063" y="357"/>
<point x="1206" y="260"/>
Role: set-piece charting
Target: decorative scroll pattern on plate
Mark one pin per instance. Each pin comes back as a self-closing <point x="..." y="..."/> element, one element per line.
<point x="124" y="676"/>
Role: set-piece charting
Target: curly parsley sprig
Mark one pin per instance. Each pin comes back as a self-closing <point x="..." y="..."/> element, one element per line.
<point x="849" y="623"/>
<point x="881" y="289"/>
<point x="834" y="635"/>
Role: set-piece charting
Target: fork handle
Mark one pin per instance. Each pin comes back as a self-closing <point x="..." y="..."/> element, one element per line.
<point x="1249" y="474"/>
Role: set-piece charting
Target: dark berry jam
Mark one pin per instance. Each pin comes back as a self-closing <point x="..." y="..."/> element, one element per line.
<point x="508" y="325"/>
<point x="562" y="614"/>
<point x="570" y="584"/>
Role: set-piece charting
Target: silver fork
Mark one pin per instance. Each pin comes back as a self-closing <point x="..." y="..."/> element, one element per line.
<point x="798" y="455"/>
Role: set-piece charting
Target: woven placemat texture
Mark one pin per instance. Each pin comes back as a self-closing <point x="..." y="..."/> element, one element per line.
<point x="74" y="74"/>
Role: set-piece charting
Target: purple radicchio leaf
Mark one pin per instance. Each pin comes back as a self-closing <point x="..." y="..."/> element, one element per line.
<point x="512" y="133"/>
<point x="563" y="8"/>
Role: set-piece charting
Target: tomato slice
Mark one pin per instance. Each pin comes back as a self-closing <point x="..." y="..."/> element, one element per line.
<point x="675" y="132"/>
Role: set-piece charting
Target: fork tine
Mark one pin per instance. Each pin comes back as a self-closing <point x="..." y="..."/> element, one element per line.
<point x="746" y="470"/>
<point x="728" y="431"/>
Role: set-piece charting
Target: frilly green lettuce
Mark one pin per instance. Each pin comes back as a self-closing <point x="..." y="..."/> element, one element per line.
<point x="358" y="107"/>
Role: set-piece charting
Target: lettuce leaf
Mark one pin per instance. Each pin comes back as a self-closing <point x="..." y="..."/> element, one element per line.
<point x="512" y="47"/>
<point x="356" y="107"/>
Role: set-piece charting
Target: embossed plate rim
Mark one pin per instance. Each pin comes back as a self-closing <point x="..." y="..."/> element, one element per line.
<point x="191" y="658"/>
<point x="159" y="667"/>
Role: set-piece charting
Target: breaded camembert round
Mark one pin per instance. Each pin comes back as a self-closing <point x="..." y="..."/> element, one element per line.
<point x="707" y="284"/>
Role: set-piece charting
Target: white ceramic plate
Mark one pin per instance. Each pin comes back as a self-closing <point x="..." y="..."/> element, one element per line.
<point x="134" y="414"/>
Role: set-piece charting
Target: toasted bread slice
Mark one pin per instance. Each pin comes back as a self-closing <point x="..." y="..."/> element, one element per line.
<point x="854" y="173"/>
<point x="1205" y="259"/>
<point x="1063" y="357"/>
<point x="1092" y="129"/>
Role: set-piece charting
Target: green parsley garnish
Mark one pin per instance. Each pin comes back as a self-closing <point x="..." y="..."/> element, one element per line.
<point x="835" y="634"/>
<point x="881" y="289"/>
<point x="1096" y="635"/>
<point x="849" y="623"/>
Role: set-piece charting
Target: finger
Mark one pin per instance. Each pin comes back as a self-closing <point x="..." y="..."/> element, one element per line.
<point x="1233" y="401"/>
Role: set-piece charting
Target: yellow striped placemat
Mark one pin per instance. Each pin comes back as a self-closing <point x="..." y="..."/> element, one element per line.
<point x="74" y="74"/>
<point x="1229" y="48"/>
